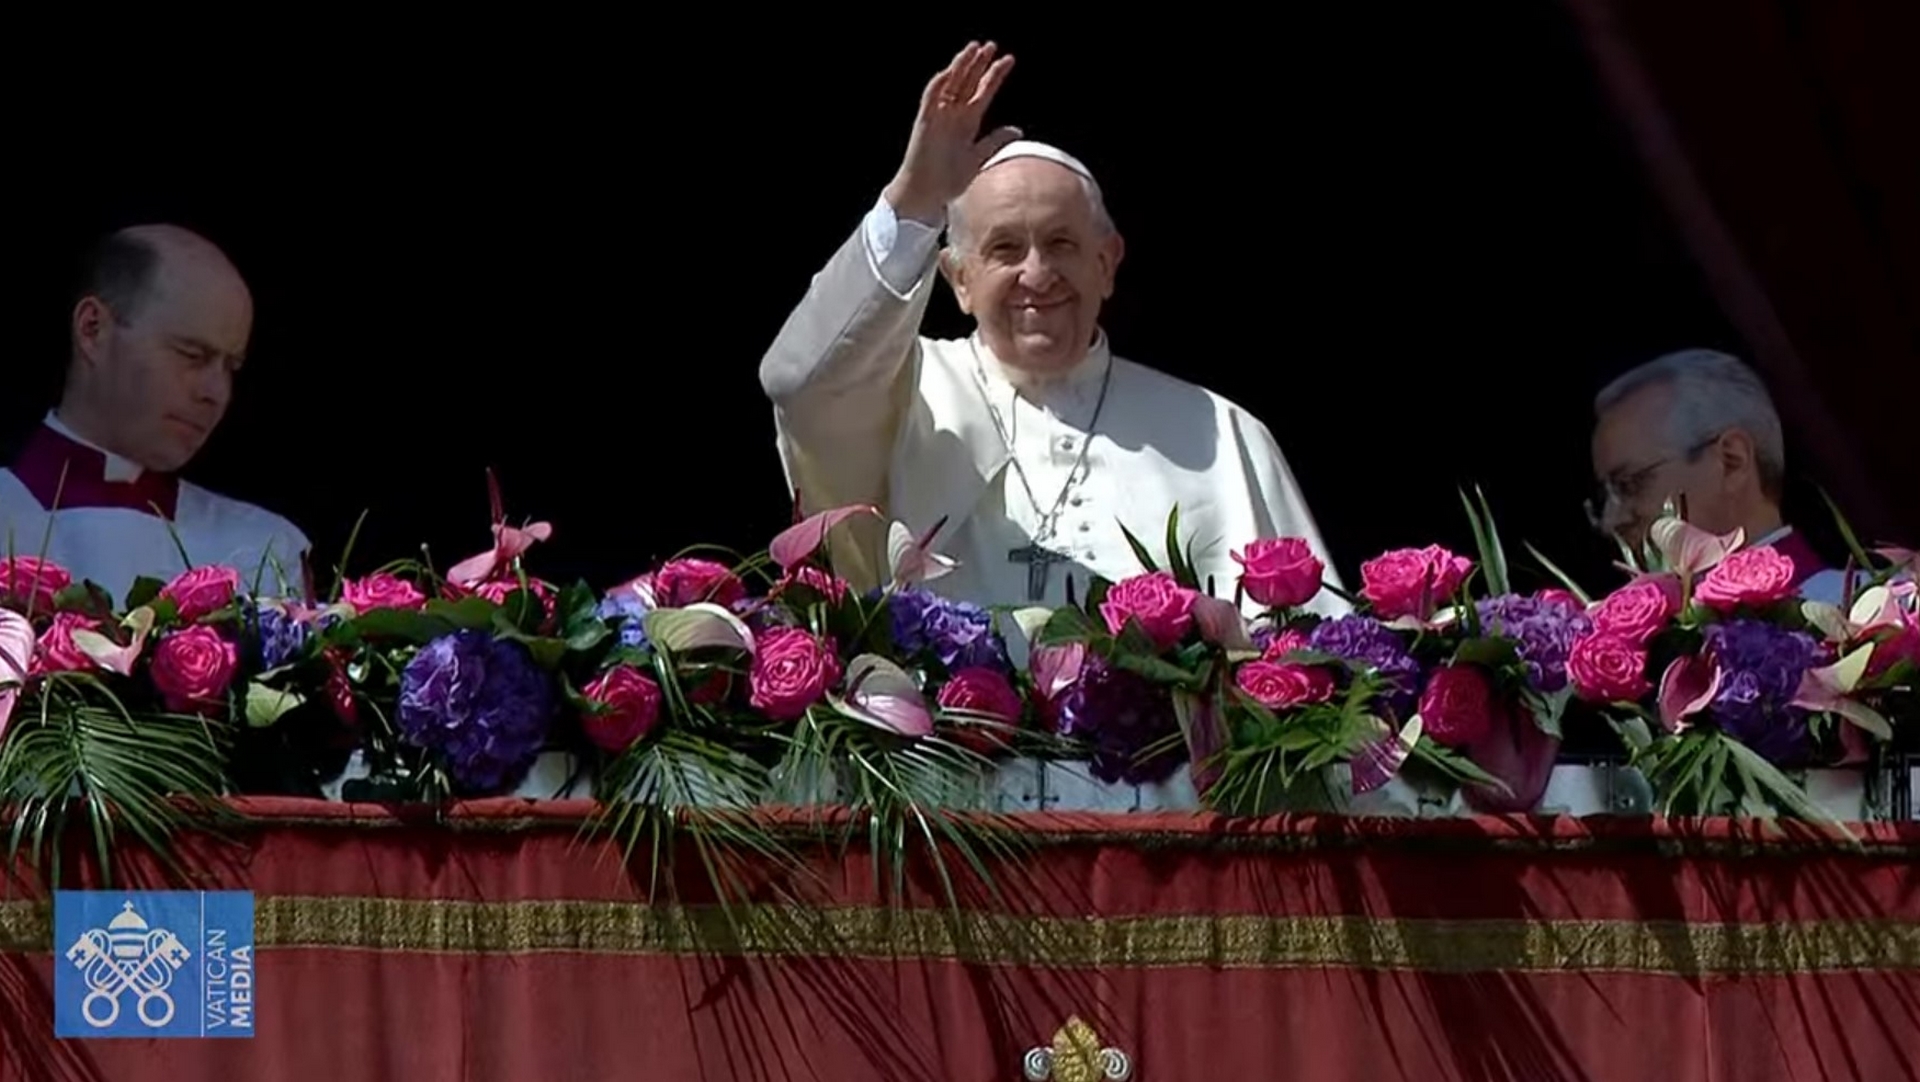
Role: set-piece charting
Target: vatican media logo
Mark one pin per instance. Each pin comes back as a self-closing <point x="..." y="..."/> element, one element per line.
<point x="154" y="964"/>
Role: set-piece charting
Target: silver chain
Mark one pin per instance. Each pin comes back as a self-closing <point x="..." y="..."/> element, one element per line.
<point x="1045" y="527"/>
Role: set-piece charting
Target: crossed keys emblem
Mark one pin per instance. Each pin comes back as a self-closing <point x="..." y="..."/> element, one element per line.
<point x="124" y="955"/>
<point x="1076" y="1056"/>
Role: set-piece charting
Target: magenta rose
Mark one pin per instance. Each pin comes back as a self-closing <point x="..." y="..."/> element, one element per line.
<point x="1412" y="582"/>
<point x="201" y="591"/>
<point x="1280" y="572"/>
<point x="985" y="692"/>
<point x="30" y="581"/>
<point x="1279" y="686"/>
<point x="382" y="590"/>
<point x="1636" y="612"/>
<point x="192" y="669"/>
<point x="1457" y="706"/>
<point x="1756" y="576"/>
<point x="679" y="583"/>
<point x="792" y="670"/>
<point x="630" y="707"/>
<point x="1608" y="669"/>
<point x="1157" y="602"/>
<point x="55" y="652"/>
<point x="1566" y="599"/>
<point x="829" y="586"/>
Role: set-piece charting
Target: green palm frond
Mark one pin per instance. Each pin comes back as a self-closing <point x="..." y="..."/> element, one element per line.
<point x="151" y="775"/>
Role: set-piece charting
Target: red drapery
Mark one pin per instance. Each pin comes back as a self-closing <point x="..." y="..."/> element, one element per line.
<point x="503" y="945"/>
<point x="1782" y="139"/>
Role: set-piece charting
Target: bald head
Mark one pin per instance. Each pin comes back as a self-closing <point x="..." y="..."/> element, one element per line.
<point x="160" y="324"/>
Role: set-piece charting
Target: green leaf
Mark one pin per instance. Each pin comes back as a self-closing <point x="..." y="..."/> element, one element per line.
<point x="1486" y="536"/>
<point x="1565" y="580"/>
<point x="1097" y="589"/>
<point x="408" y="625"/>
<point x="266" y="704"/>
<point x="1781" y="792"/>
<point x="87" y="597"/>
<point x="1156" y="669"/>
<point x="1548" y="710"/>
<point x="1493" y="653"/>
<point x="1854" y="547"/>
<point x="1183" y="572"/>
<point x="1455" y="765"/>
<point x="472" y="613"/>
<point x="1139" y="550"/>
<point x="143" y="591"/>
<point x="586" y="638"/>
<point x="1069" y="625"/>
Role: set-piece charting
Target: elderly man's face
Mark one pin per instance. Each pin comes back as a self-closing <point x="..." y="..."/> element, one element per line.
<point x="1639" y="469"/>
<point x="165" y="375"/>
<point x="1036" y="266"/>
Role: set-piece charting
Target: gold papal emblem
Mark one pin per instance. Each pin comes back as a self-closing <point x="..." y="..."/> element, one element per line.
<point x="1076" y="1056"/>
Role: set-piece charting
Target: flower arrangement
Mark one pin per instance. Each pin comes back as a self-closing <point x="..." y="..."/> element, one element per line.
<point x="1720" y="680"/>
<point x="719" y="685"/>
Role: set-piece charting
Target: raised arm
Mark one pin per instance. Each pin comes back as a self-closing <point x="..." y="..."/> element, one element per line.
<point x="839" y="371"/>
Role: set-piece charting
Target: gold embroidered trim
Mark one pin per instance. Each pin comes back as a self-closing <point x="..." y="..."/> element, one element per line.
<point x="1437" y="946"/>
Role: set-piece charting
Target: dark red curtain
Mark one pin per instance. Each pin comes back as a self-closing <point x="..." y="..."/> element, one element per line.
<point x="1783" y="137"/>
<point x="504" y="945"/>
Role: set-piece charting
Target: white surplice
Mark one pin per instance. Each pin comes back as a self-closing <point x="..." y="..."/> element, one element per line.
<point x="869" y="411"/>
<point x="113" y="546"/>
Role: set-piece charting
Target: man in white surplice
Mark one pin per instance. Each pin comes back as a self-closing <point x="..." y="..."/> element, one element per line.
<point x="1030" y="438"/>
<point x="159" y="327"/>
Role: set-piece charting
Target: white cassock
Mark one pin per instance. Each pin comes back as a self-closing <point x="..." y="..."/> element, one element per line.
<point x="106" y="530"/>
<point x="868" y="411"/>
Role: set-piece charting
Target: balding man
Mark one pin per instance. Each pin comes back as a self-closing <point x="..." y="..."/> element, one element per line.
<point x="160" y="326"/>
<point x="1699" y="425"/>
<point x="1030" y="439"/>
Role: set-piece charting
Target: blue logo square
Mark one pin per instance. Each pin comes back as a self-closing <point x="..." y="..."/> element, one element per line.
<point x="153" y="964"/>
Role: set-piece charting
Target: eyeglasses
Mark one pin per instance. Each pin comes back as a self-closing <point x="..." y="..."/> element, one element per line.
<point x="1625" y="486"/>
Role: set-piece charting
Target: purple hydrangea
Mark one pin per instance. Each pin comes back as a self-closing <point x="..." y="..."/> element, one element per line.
<point x="480" y="703"/>
<point x="1761" y="668"/>
<point x="278" y="636"/>
<point x="959" y="633"/>
<point x="1121" y="713"/>
<point x="1542" y="631"/>
<point x="1362" y="640"/>
<point x="627" y="608"/>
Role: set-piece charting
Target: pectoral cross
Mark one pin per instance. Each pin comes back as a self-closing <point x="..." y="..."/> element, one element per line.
<point x="1037" y="558"/>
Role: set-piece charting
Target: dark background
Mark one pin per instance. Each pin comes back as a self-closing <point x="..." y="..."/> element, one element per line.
<point x="1414" y="242"/>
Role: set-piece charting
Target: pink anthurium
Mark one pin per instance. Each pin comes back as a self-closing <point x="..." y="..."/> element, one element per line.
<point x="1376" y="762"/>
<point x="1224" y="626"/>
<point x="700" y="625"/>
<point x="804" y="538"/>
<point x="112" y="656"/>
<point x="1879" y="608"/>
<point x="1055" y="668"/>
<point x="1907" y="559"/>
<point x="1687" y="687"/>
<point x="509" y="543"/>
<point x="1690" y="551"/>
<point x="17" y="640"/>
<point x="912" y="559"/>
<point x="1828" y="690"/>
<point x="885" y="696"/>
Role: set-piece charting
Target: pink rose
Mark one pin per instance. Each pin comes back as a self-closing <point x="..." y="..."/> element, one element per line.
<point x="792" y="670"/>
<point x="382" y="590"/>
<point x="982" y="691"/>
<point x="1636" y="612"/>
<point x="1457" y="707"/>
<point x="1277" y="686"/>
<point x="1756" y="576"/>
<point x="1284" y="643"/>
<point x="1554" y="595"/>
<point x="192" y="669"/>
<point x="498" y="590"/>
<point x="30" y="581"/>
<point x="1280" y="572"/>
<point x="55" y="652"/>
<point x="1608" y="669"/>
<point x="679" y="583"/>
<point x="1412" y="582"/>
<point x="1157" y="602"/>
<point x="829" y="586"/>
<point x="201" y="591"/>
<point x="631" y="702"/>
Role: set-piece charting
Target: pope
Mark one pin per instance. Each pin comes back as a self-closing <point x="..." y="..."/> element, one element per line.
<point x="1030" y="439"/>
<point x="160" y="326"/>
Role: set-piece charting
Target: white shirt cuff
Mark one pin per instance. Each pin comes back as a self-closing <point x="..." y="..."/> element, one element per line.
<point x="897" y="247"/>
